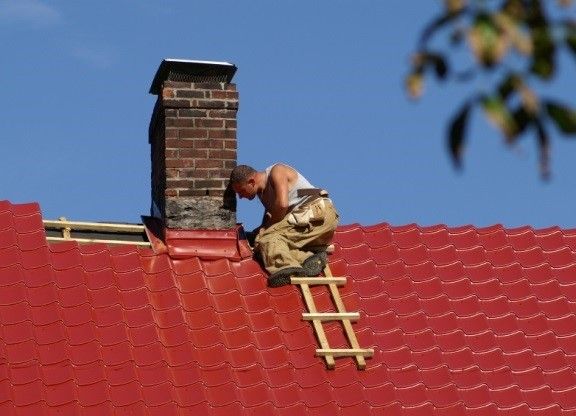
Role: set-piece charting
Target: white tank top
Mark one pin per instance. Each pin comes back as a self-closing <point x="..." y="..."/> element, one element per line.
<point x="293" y="198"/>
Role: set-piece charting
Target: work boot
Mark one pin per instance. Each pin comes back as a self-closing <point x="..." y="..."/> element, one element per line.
<point x="282" y="277"/>
<point x="314" y="264"/>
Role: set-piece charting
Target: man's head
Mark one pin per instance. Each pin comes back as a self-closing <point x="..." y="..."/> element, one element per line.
<point x="243" y="181"/>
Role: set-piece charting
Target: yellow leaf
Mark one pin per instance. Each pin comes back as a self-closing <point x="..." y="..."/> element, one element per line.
<point x="518" y="38"/>
<point x="454" y="6"/>
<point x="415" y="85"/>
<point x="488" y="44"/>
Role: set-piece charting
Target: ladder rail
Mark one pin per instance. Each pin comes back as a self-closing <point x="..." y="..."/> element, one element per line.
<point x="318" y="328"/>
<point x="360" y="361"/>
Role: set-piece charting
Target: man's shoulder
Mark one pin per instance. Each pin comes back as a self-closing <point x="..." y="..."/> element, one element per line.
<point x="283" y="171"/>
<point x="281" y="167"/>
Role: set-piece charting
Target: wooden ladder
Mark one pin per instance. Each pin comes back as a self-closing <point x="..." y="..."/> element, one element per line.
<point x="342" y="315"/>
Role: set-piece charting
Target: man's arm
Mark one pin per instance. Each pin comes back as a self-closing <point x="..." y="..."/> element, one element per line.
<point x="280" y="176"/>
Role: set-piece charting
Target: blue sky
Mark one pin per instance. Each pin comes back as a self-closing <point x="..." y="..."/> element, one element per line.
<point x="321" y="88"/>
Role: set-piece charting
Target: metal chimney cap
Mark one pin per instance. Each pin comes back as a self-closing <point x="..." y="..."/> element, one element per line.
<point x="185" y="70"/>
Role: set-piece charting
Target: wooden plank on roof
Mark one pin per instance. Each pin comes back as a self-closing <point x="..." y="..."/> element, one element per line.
<point x="89" y="240"/>
<point x="94" y="226"/>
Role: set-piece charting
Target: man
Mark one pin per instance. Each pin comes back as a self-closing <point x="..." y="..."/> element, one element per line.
<point x="298" y="224"/>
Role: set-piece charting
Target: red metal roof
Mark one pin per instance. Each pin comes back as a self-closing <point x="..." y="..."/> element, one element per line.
<point x="463" y="321"/>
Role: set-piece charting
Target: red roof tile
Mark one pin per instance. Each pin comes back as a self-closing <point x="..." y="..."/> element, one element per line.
<point x="467" y="321"/>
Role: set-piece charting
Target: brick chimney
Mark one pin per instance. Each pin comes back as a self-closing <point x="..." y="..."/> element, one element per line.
<point x="193" y="142"/>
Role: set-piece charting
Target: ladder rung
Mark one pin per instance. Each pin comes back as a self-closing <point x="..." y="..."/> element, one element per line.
<point x="331" y="316"/>
<point x="340" y="281"/>
<point x="347" y="352"/>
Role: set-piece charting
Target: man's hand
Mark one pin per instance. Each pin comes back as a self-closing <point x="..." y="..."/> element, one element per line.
<point x="267" y="220"/>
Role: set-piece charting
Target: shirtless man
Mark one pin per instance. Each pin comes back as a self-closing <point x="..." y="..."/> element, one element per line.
<point x="298" y="224"/>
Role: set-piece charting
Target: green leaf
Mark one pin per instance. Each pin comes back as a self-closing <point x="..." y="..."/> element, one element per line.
<point x="535" y="16"/>
<point x="515" y="9"/>
<point x="544" y="148"/>
<point x="571" y="40"/>
<point x="424" y="60"/>
<point x="499" y="115"/>
<point x="438" y="63"/>
<point x="563" y="116"/>
<point x="437" y="24"/>
<point x="509" y="85"/>
<point x="457" y="133"/>
<point x="543" y="63"/>
<point x="522" y="119"/>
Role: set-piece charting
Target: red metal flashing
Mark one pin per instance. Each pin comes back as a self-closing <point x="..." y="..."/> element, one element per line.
<point x="205" y="244"/>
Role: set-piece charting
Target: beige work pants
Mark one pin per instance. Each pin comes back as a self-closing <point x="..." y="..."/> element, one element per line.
<point x="285" y="245"/>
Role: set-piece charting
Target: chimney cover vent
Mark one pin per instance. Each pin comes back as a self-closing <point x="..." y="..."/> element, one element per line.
<point x="182" y="70"/>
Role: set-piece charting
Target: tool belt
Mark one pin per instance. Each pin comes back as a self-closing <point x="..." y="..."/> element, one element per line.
<point x="310" y="211"/>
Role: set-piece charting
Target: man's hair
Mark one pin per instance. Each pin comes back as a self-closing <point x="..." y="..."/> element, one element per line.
<point x="241" y="173"/>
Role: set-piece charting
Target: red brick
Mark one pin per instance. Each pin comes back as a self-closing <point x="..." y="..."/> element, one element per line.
<point x="179" y="144"/>
<point x="216" y="192"/>
<point x="209" y="85"/>
<point x="217" y="174"/>
<point x="222" y="134"/>
<point x="224" y="95"/>
<point x="172" y="173"/>
<point x="171" y="133"/>
<point x="171" y="154"/>
<point x="209" y="144"/>
<point x="208" y="183"/>
<point x="196" y="173"/>
<point x="231" y="114"/>
<point x="190" y="94"/>
<point x="209" y="164"/>
<point x="192" y="112"/>
<point x="230" y="144"/>
<point x="168" y="93"/>
<point x="208" y="122"/>
<point x="194" y="153"/>
<point x="230" y="124"/>
<point x="222" y="174"/>
<point x="210" y="104"/>
<point x="192" y="133"/>
<point x="193" y="192"/>
<point x="170" y="192"/>
<point x="222" y="154"/>
<point x="179" y="122"/>
<point x="175" y="103"/>
<point x="179" y="163"/>
<point x="179" y="183"/>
